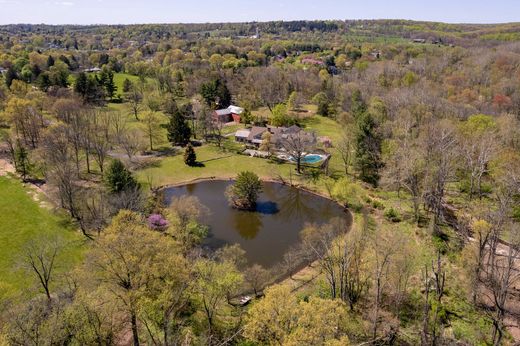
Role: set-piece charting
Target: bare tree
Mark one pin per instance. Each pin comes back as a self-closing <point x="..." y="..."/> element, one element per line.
<point x="341" y="258"/>
<point x="345" y="148"/>
<point x="502" y="276"/>
<point x="152" y="127"/>
<point x="256" y="276"/>
<point x="434" y="284"/>
<point x="385" y="246"/>
<point x="131" y="142"/>
<point x="298" y="144"/>
<point x="440" y="152"/>
<point x="134" y="98"/>
<point x="40" y="257"/>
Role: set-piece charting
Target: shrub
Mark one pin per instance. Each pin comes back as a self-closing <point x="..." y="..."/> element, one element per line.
<point x="392" y="215"/>
<point x="190" y="158"/>
<point x="157" y="222"/>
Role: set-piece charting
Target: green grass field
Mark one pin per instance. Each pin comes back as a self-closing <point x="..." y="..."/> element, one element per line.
<point x="217" y="163"/>
<point x="226" y="164"/>
<point x="21" y="220"/>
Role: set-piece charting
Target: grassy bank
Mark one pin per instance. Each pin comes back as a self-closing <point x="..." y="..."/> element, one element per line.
<point x="23" y="220"/>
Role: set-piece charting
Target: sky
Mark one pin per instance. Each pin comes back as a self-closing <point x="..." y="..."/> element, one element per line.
<point x="202" y="11"/>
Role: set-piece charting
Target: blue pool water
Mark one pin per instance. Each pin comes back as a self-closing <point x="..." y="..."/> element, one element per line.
<point x="312" y="158"/>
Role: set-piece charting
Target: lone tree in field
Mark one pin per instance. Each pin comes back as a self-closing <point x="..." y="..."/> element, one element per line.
<point x="179" y="131"/>
<point x="118" y="178"/>
<point x="190" y="158"/>
<point x="244" y="192"/>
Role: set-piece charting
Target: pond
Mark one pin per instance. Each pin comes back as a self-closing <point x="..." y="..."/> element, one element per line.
<point x="267" y="233"/>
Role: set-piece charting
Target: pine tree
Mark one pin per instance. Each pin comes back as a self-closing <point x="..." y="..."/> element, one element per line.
<point x="368" y="149"/>
<point x="10" y="76"/>
<point x="179" y="131"/>
<point x="357" y="105"/>
<point x="50" y="61"/>
<point x="44" y="81"/>
<point x="80" y="86"/>
<point x="118" y="178"/>
<point x="22" y="161"/>
<point x="190" y="157"/>
<point x="127" y="85"/>
<point x="110" y="86"/>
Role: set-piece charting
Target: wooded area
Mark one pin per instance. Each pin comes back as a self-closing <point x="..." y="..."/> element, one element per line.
<point x="420" y="125"/>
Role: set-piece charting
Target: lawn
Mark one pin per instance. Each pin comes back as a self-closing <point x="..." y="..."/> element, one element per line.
<point x="21" y="220"/>
<point x="226" y="164"/>
<point x="217" y="163"/>
<point x="119" y="79"/>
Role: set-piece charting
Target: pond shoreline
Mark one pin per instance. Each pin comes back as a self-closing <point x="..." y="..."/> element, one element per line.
<point x="300" y="267"/>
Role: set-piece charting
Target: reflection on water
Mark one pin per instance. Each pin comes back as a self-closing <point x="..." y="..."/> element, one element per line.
<point x="271" y="230"/>
<point x="247" y="223"/>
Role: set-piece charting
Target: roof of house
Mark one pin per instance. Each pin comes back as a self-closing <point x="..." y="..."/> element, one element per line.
<point x="236" y="109"/>
<point x="230" y="110"/>
<point x="255" y="132"/>
<point x="244" y="133"/>
<point x="223" y="111"/>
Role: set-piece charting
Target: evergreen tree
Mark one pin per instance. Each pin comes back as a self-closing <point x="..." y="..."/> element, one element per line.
<point x="110" y="86"/>
<point x="118" y="178"/>
<point x="179" y="131"/>
<point x="36" y="71"/>
<point x="44" y="81"/>
<point x="357" y="105"/>
<point x="22" y="161"/>
<point x="50" y="61"/>
<point x="10" y="76"/>
<point x="190" y="157"/>
<point x="368" y="149"/>
<point x="223" y="94"/>
<point x="127" y="85"/>
<point x="215" y="92"/>
<point x="80" y="86"/>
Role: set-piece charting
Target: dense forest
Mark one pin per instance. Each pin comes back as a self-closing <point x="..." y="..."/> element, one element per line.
<point x="419" y="123"/>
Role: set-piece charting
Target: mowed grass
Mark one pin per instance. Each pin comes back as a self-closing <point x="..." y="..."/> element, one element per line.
<point x="226" y="164"/>
<point x="119" y="79"/>
<point x="21" y="221"/>
<point x="216" y="163"/>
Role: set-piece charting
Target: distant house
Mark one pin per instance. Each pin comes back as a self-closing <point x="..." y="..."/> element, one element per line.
<point x="419" y="40"/>
<point x="3" y="70"/>
<point x="226" y="115"/>
<point x="375" y="54"/>
<point x="92" y="70"/>
<point x="278" y="134"/>
<point x="312" y="61"/>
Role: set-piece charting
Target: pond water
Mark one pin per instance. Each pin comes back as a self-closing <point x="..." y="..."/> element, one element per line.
<point x="267" y="233"/>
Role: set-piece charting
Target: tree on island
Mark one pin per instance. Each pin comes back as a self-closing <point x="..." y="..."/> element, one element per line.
<point x="244" y="192"/>
<point x="190" y="158"/>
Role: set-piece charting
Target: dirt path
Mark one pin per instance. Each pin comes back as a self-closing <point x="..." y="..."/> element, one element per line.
<point x="35" y="191"/>
<point x="6" y="167"/>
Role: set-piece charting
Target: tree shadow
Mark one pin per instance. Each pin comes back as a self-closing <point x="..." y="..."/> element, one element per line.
<point x="267" y="208"/>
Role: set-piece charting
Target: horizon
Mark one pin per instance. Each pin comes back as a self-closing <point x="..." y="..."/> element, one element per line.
<point x="262" y="21"/>
<point x="136" y="12"/>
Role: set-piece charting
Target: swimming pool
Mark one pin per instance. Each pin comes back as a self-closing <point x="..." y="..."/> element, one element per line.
<point x="311" y="158"/>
